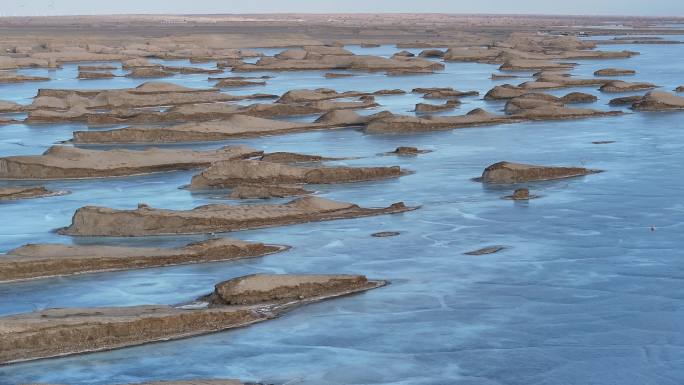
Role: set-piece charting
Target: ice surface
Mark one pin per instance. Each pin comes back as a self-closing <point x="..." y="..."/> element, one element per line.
<point x="585" y="292"/>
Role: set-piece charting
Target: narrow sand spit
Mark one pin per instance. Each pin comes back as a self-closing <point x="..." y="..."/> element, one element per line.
<point x="16" y="193"/>
<point x="64" y="162"/>
<point x="232" y="127"/>
<point x="233" y="173"/>
<point x="46" y="260"/>
<point x="102" y="221"/>
<point x="234" y="303"/>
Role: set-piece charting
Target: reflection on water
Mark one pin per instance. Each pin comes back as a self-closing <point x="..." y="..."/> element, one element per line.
<point x="585" y="292"/>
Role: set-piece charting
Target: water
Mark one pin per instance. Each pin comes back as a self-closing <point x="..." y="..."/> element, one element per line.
<point x="584" y="293"/>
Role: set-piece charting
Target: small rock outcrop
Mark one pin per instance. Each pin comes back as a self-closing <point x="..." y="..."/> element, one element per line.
<point x="614" y="72"/>
<point x="509" y="173"/>
<point x="427" y="108"/>
<point x="521" y="194"/>
<point x="627" y="100"/>
<point x="620" y="86"/>
<point x="659" y="101"/>
<point x="264" y="288"/>
<point x="486" y="250"/>
<point x="578" y="97"/>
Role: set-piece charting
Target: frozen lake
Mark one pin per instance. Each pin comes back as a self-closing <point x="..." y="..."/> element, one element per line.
<point x="584" y="293"/>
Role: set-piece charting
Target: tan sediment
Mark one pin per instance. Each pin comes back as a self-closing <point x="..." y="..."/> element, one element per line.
<point x="60" y="332"/>
<point x="232" y="173"/>
<point x="233" y="126"/>
<point x="64" y="162"/>
<point x="263" y="191"/>
<point x="508" y="173"/>
<point x="486" y="250"/>
<point x="293" y="157"/>
<point x="627" y="100"/>
<point x="102" y="221"/>
<point x="12" y="77"/>
<point x="34" y="261"/>
<point x="53" y="105"/>
<point x="16" y="193"/>
<point x="260" y="288"/>
<point x="659" y="101"/>
<point x="84" y="75"/>
<point x="323" y="58"/>
<point x="538" y="109"/>
<point x="7" y="106"/>
<point x="614" y="72"/>
<point x="620" y="86"/>
<point x="426" y="107"/>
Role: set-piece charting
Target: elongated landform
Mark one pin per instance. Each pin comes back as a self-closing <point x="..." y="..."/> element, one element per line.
<point x="233" y="173"/>
<point x="200" y="381"/>
<point x="234" y="126"/>
<point x="508" y="173"/>
<point x="17" y="193"/>
<point x="47" y="260"/>
<point x="65" y="162"/>
<point x="234" y="303"/>
<point x="102" y="221"/>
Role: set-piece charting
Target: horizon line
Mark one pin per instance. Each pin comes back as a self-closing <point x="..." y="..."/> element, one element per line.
<point x="354" y="13"/>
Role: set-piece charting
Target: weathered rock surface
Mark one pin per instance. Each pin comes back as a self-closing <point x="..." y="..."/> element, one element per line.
<point x="385" y="234"/>
<point x="505" y="91"/>
<point x="614" y="72"/>
<point x="232" y="173"/>
<point x="627" y="100"/>
<point x="386" y="123"/>
<point x="149" y="72"/>
<point x="230" y="83"/>
<point x="333" y="75"/>
<point x="407" y="151"/>
<point x="53" y="105"/>
<point x="263" y="191"/>
<point x="15" y="193"/>
<point x="13" y="77"/>
<point x="230" y="127"/>
<point x="659" y="101"/>
<point x="102" y="221"/>
<point x="59" y="332"/>
<point x="527" y="107"/>
<point x="103" y="67"/>
<point x="578" y="97"/>
<point x="533" y="65"/>
<point x="47" y="260"/>
<point x="506" y="172"/>
<point x="64" y="162"/>
<point x="426" y="107"/>
<point x="85" y="75"/>
<point x="307" y="59"/>
<point x="432" y="53"/>
<point x="7" y="106"/>
<point x="442" y="92"/>
<point x="620" y="86"/>
<point x="265" y="288"/>
<point x="486" y="250"/>
<point x="521" y="194"/>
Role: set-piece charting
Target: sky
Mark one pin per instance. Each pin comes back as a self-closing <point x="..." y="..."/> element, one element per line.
<point x="556" y="7"/>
